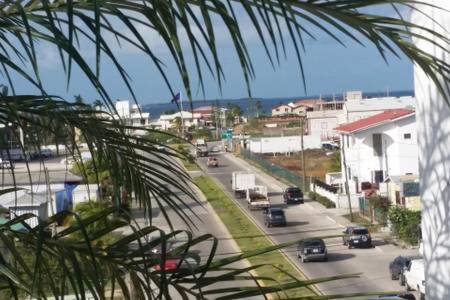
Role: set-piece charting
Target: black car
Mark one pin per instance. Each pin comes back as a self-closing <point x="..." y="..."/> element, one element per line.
<point x="293" y="195"/>
<point x="356" y="237"/>
<point x="312" y="249"/>
<point x="397" y="266"/>
<point x="274" y="217"/>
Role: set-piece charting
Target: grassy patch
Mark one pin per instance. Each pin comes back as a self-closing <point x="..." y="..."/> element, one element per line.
<point x="362" y="221"/>
<point x="248" y="236"/>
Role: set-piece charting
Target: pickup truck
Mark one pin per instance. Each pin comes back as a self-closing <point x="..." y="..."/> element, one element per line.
<point x="257" y="197"/>
<point x="201" y="148"/>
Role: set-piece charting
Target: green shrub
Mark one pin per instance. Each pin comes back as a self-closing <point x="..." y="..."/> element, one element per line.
<point x="322" y="200"/>
<point x="405" y="223"/>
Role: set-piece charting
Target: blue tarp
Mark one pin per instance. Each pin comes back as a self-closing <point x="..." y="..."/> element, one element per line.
<point x="64" y="199"/>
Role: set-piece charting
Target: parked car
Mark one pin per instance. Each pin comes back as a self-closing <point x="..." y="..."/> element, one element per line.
<point x="293" y="195"/>
<point x="6" y="164"/>
<point x="46" y="153"/>
<point x="171" y="264"/>
<point x="274" y="216"/>
<point x="397" y="266"/>
<point x="414" y="275"/>
<point x="212" y="162"/>
<point x="312" y="249"/>
<point x="356" y="237"/>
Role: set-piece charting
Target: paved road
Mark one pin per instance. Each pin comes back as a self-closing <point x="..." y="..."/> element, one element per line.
<point x="311" y="219"/>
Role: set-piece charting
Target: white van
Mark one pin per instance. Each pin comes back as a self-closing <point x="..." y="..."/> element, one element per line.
<point x="414" y="275"/>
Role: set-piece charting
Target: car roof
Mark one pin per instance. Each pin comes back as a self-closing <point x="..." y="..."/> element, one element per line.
<point x="358" y="227"/>
<point x="292" y="188"/>
<point x="311" y="240"/>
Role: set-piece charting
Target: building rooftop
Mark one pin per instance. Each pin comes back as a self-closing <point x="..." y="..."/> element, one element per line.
<point x="385" y="117"/>
<point x="380" y="104"/>
<point x="27" y="199"/>
<point x="23" y="178"/>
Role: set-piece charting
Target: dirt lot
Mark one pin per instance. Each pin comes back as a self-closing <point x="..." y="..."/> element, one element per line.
<point x="316" y="161"/>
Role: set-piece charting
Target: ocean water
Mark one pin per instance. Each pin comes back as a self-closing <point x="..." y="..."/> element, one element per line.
<point x="248" y="106"/>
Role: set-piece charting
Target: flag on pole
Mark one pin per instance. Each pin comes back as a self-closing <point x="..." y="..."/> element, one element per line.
<point x="176" y="98"/>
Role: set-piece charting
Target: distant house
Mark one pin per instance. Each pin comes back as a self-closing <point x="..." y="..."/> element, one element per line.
<point x="302" y="106"/>
<point x="378" y="147"/>
<point x="189" y="119"/>
<point x="132" y="115"/>
<point x="206" y="114"/>
<point x="281" y="109"/>
<point x="357" y="108"/>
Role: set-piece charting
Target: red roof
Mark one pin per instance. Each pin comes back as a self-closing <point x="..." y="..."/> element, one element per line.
<point x="203" y="109"/>
<point x="382" y="118"/>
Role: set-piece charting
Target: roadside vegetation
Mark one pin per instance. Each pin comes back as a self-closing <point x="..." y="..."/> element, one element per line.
<point x="187" y="159"/>
<point x="322" y="200"/>
<point x="249" y="237"/>
<point x="405" y="224"/>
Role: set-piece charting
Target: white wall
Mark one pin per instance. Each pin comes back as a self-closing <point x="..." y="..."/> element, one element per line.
<point x="322" y="123"/>
<point x="341" y="200"/>
<point x="433" y="115"/>
<point x="401" y="154"/>
<point x="283" y="144"/>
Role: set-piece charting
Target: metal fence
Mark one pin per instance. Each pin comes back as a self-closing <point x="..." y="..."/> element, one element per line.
<point x="373" y="214"/>
<point x="276" y="171"/>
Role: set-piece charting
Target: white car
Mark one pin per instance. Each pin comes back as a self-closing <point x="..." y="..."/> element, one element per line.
<point x="46" y="153"/>
<point x="414" y="276"/>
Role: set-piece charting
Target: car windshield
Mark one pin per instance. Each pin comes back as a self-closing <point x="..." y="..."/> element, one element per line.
<point x="294" y="193"/>
<point x="360" y="231"/>
<point x="315" y="243"/>
<point x="277" y="212"/>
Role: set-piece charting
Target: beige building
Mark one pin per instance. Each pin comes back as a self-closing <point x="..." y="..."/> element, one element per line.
<point x="404" y="190"/>
<point x="281" y="109"/>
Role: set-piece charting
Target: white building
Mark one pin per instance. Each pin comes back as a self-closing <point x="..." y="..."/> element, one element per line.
<point x="323" y="123"/>
<point x="379" y="146"/>
<point x="189" y="119"/>
<point x="433" y="117"/>
<point x="355" y="109"/>
<point x="132" y="115"/>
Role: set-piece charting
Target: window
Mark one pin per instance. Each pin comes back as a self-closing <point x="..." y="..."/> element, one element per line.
<point x="348" y="141"/>
<point x="377" y="144"/>
<point x="277" y="109"/>
<point x="285" y="110"/>
<point x="349" y="172"/>
<point x="407" y="136"/>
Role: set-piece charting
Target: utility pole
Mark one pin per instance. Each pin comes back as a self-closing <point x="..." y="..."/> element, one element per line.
<point x="303" y="153"/>
<point x="347" y="190"/>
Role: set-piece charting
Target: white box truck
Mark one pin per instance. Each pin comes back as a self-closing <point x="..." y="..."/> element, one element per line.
<point x="241" y="181"/>
<point x="257" y="197"/>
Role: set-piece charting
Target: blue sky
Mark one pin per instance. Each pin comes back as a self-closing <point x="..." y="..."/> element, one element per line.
<point x="329" y="68"/>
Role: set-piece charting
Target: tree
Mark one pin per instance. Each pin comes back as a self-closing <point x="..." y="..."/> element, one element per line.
<point x="135" y="164"/>
<point x="178" y="124"/>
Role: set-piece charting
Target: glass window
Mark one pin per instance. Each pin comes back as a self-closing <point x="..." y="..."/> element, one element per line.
<point x="407" y="136"/>
<point x="377" y="144"/>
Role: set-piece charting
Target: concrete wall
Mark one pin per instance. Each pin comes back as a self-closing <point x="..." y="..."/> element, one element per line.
<point x="433" y="115"/>
<point x="283" y="144"/>
<point x="340" y="200"/>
